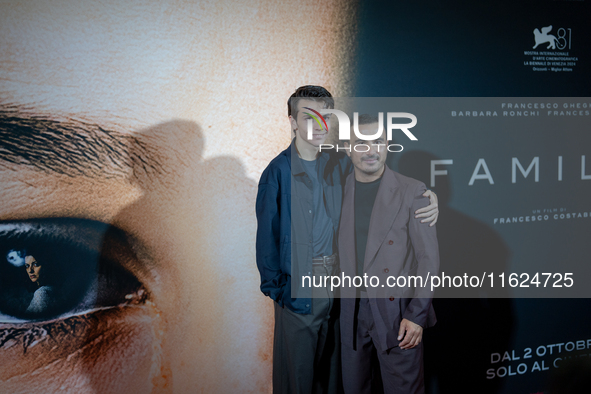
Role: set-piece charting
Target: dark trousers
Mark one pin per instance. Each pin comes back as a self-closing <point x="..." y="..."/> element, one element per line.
<point x="368" y="369"/>
<point x="306" y="348"/>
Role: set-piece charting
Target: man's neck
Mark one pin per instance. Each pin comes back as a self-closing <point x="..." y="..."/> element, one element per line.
<point x="305" y="150"/>
<point x="362" y="177"/>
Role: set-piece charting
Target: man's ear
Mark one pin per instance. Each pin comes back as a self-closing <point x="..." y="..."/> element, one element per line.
<point x="347" y="151"/>
<point x="294" y="124"/>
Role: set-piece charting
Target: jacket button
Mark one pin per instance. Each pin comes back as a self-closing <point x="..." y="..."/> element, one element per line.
<point x="307" y="305"/>
<point x="390" y="242"/>
<point x="386" y="270"/>
<point x="391" y="298"/>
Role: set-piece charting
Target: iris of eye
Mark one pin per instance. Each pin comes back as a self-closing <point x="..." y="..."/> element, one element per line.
<point x="65" y="271"/>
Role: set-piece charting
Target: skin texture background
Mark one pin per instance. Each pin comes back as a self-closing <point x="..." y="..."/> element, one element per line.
<point x="194" y="93"/>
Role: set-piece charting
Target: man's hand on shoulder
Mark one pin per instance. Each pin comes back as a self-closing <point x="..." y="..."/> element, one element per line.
<point x="411" y="332"/>
<point x="431" y="211"/>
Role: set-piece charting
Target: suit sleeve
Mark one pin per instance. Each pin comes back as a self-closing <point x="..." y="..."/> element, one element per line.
<point x="268" y="247"/>
<point x="424" y="241"/>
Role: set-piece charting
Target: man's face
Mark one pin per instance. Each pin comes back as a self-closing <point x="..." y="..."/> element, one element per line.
<point x="134" y="118"/>
<point x="367" y="156"/>
<point x="300" y="124"/>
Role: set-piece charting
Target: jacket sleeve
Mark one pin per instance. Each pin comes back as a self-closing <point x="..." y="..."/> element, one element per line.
<point x="268" y="238"/>
<point x="426" y="249"/>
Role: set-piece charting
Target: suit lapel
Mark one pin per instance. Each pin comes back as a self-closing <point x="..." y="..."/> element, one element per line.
<point x="385" y="210"/>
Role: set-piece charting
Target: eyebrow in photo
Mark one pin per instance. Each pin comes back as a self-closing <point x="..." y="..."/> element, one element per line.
<point x="74" y="148"/>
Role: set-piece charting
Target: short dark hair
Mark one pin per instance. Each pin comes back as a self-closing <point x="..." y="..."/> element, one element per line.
<point x="308" y="92"/>
<point x="368" y="119"/>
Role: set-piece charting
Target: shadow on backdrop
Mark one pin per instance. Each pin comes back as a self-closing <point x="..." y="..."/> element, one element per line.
<point x="470" y="328"/>
<point x="573" y="377"/>
<point x="162" y="283"/>
<point x="198" y="304"/>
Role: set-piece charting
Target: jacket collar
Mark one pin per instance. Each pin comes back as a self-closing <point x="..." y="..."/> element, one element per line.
<point x="385" y="209"/>
<point x="295" y="162"/>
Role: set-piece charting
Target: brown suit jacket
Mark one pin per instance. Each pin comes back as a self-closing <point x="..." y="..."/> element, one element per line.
<point x="397" y="245"/>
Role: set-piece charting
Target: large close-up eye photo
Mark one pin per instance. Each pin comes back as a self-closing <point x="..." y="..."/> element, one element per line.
<point x="254" y="196"/>
<point x="72" y="306"/>
<point x="58" y="268"/>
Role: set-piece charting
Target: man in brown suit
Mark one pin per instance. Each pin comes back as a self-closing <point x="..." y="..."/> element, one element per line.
<point x="378" y="237"/>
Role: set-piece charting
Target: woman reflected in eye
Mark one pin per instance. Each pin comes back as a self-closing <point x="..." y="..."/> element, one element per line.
<point x="44" y="293"/>
<point x="33" y="269"/>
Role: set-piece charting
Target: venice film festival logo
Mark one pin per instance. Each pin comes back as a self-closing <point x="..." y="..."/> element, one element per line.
<point x="345" y="128"/>
<point x="560" y="42"/>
